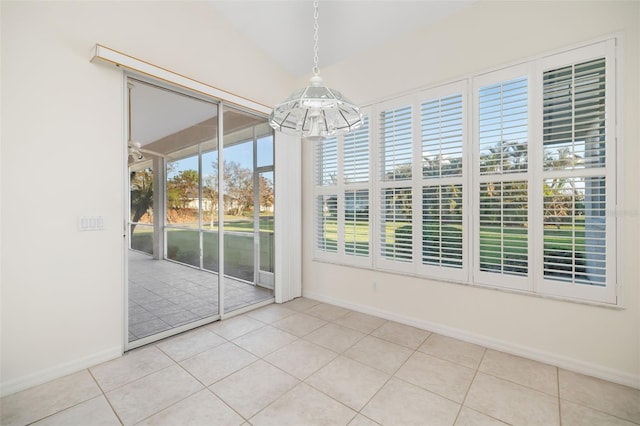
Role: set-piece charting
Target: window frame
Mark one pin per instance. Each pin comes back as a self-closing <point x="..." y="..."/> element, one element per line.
<point x="338" y="190"/>
<point x="485" y="278"/>
<point x="608" y="293"/>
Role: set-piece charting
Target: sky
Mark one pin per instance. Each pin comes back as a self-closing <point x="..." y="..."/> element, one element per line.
<point x="240" y="153"/>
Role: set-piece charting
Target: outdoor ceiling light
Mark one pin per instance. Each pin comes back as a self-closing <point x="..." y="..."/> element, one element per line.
<point x="134" y="151"/>
<point x="316" y="111"/>
<point x="133" y="147"/>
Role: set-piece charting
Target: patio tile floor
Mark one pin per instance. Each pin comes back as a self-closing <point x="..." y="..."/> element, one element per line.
<point x="164" y="294"/>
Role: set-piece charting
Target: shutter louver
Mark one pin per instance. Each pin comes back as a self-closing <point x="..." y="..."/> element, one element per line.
<point x="442" y="164"/>
<point x="575" y="207"/>
<point x="504" y="202"/>
<point x="503" y="127"/>
<point x="327" y="162"/>
<point x="356" y="222"/>
<point x="356" y="155"/>
<point x="503" y="227"/>
<point x="396" y="217"/>
<point x="442" y="225"/>
<point x="396" y="144"/>
<point x="575" y="230"/>
<point x="442" y="137"/>
<point x="574" y="116"/>
<point x="326" y="223"/>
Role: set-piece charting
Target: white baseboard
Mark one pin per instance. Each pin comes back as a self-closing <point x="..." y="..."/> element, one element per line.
<point x="57" y="371"/>
<point x="557" y="360"/>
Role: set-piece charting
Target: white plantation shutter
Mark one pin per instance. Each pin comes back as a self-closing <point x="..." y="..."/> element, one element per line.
<point x="525" y="199"/>
<point x="395" y="168"/>
<point x="327" y="162"/>
<point x="396" y="144"/>
<point x="356" y="222"/>
<point x="502" y="159"/>
<point x="356" y="165"/>
<point x="575" y="241"/>
<point x="442" y="242"/>
<point x="503" y="126"/>
<point x="356" y="155"/>
<point x="342" y="169"/>
<point x="396" y="241"/>
<point x="327" y="223"/>
<point x="503" y="215"/>
<point x="442" y="137"/>
<point x="574" y="116"/>
<point x="578" y="137"/>
<point x="326" y="204"/>
<point x="442" y="162"/>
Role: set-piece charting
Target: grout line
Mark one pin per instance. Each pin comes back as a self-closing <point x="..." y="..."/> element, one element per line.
<point x="559" y="400"/>
<point x="104" y="395"/>
<point x="225" y="403"/>
<point x="475" y="374"/>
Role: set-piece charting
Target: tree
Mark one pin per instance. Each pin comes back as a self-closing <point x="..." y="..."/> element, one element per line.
<point x="239" y="188"/>
<point x="440" y="165"/>
<point x="141" y="189"/>
<point x="266" y="195"/>
<point x="210" y="193"/>
<point x="182" y="188"/>
<point x="508" y="156"/>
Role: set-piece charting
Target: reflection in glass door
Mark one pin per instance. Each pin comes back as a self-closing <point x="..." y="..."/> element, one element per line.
<point x="141" y="207"/>
<point x="248" y="200"/>
<point x="180" y="227"/>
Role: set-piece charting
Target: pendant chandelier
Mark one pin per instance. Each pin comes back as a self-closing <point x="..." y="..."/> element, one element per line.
<point x="316" y="111"/>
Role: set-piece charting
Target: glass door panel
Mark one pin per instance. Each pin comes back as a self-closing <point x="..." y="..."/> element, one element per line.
<point x="210" y="211"/>
<point x="242" y="242"/>
<point x="265" y="225"/>
<point x="183" y="207"/>
<point x="179" y="234"/>
<point x="168" y="290"/>
<point x="238" y="209"/>
<point x="183" y="246"/>
<point x="141" y="238"/>
<point x="141" y="205"/>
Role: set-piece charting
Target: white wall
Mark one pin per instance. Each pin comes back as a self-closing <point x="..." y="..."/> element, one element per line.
<point x="595" y="340"/>
<point x="62" y="158"/>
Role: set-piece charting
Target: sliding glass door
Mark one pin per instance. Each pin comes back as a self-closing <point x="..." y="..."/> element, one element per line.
<point x="201" y="211"/>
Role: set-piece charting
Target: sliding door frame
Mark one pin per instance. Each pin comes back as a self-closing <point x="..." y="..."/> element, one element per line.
<point x="287" y="180"/>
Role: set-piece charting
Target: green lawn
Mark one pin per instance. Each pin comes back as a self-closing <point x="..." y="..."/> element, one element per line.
<point x="233" y="223"/>
<point x="498" y="245"/>
<point x="183" y="246"/>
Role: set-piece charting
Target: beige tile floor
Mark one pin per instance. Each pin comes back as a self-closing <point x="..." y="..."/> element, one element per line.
<point x="309" y="363"/>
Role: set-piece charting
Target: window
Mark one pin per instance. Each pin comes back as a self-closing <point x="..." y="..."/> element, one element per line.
<point x="442" y="187"/>
<point x="518" y="201"/>
<point x="396" y="191"/>
<point x="577" y="178"/>
<point x="355" y="167"/>
<point x="327" y="195"/>
<point x="342" y="197"/>
<point x="501" y="157"/>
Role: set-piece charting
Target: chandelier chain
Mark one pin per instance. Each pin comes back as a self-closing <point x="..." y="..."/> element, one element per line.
<point x="316" y="70"/>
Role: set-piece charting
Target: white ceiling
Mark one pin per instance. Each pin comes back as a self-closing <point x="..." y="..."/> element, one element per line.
<point x="157" y="112"/>
<point x="284" y="29"/>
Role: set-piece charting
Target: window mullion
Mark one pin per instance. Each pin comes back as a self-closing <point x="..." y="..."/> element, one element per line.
<point x="340" y="187"/>
<point x="416" y="187"/>
<point x="536" y="195"/>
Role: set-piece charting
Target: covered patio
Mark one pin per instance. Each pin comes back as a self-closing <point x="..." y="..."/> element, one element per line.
<point x="165" y="294"/>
